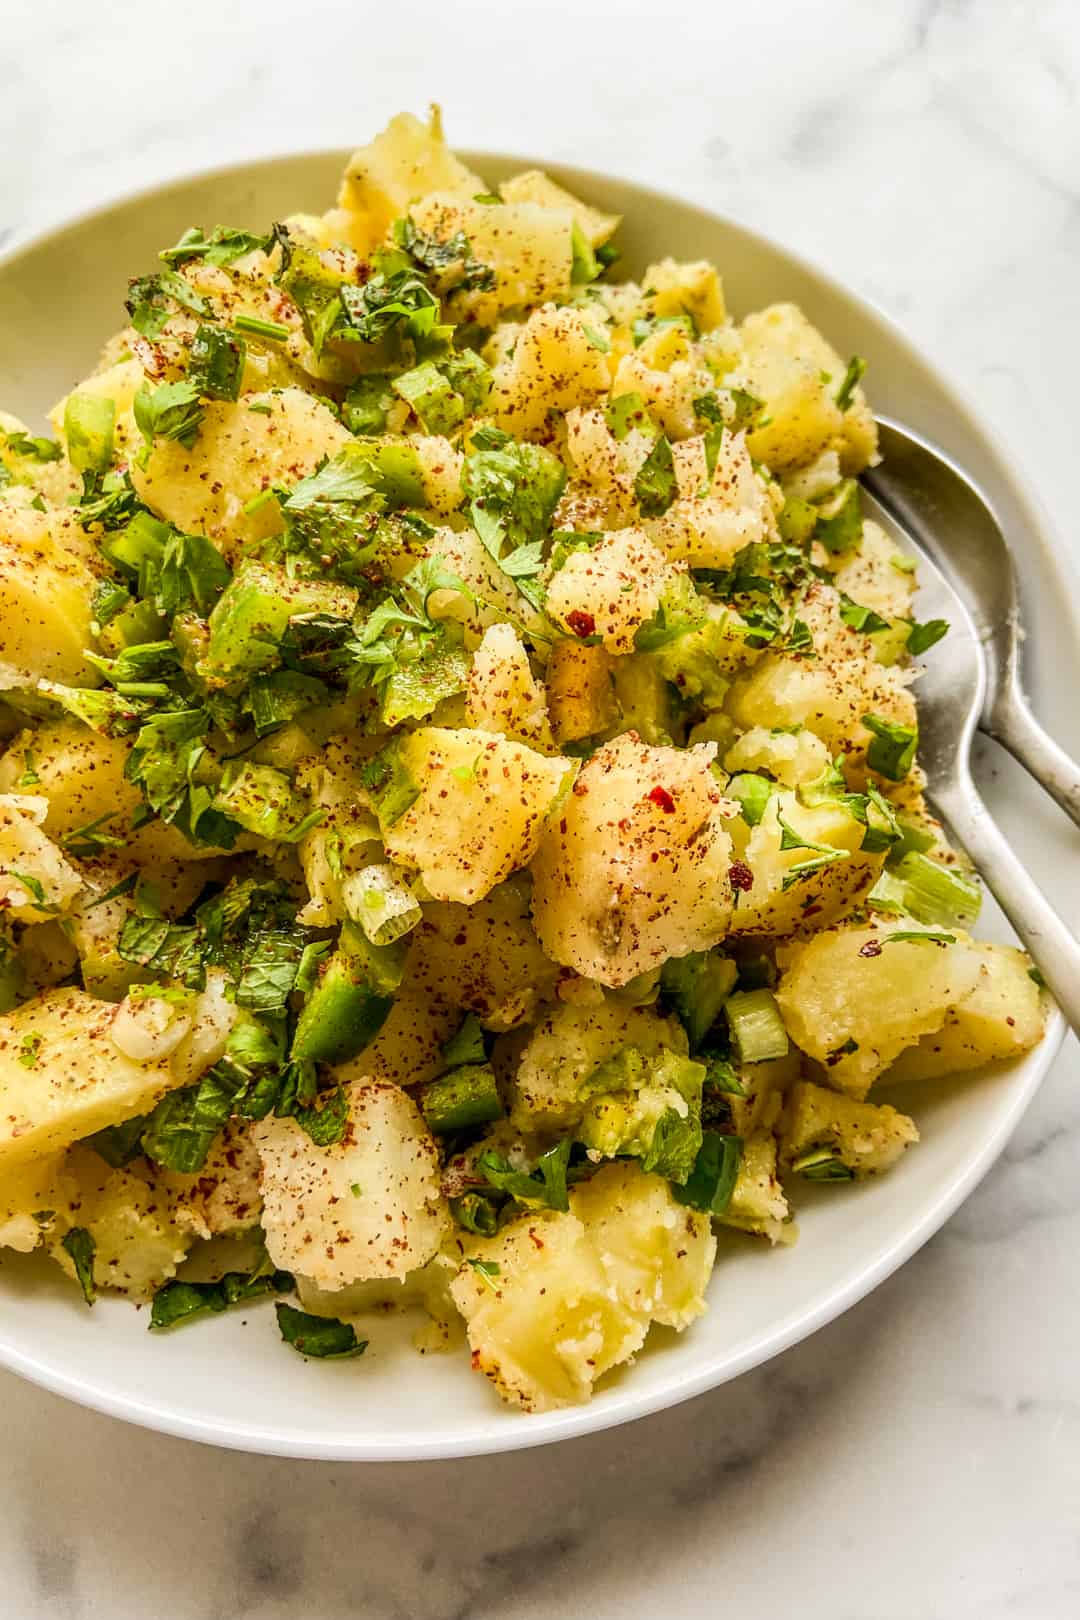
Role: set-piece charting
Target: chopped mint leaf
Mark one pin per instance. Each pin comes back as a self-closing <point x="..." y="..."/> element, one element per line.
<point x="892" y="752"/>
<point x="711" y="1182"/>
<point x="451" y="261"/>
<point x="170" y="411"/>
<point x="221" y="247"/>
<point x="181" y="1301"/>
<point x="150" y="301"/>
<point x="822" y="1164"/>
<point x="193" y="574"/>
<point x="217" y="362"/>
<point x="840" y="522"/>
<point x="33" y="447"/>
<point x="326" y="1123"/>
<point x="861" y="618"/>
<point x="541" y="1188"/>
<point x="119" y="1145"/>
<point x="655" y="485"/>
<point x="921" y="637"/>
<point x="81" y="1248"/>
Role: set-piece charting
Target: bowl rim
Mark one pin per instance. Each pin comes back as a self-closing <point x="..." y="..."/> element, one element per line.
<point x="626" y="1406"/>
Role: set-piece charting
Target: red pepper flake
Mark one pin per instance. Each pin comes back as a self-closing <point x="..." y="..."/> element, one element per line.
<point x="871" y="948"/>
<point x="662" y="797"/>
<point x="741" y="876"/>
<point x="581" y="623"/>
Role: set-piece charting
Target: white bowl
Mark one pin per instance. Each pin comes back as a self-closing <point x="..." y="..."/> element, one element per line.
<point x="229" y="1381"/>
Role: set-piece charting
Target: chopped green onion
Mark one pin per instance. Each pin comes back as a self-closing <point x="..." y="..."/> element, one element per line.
<point x="259" y="328"/>
<point x="926" y="890"/>
<point x="757" y="1029"/>
<point x="89" y="420"/>
<point x="383" y="905"/>
<point x="698" y="985"/>
<point x="753" y="793"/>
<point x="461" y="1099"/>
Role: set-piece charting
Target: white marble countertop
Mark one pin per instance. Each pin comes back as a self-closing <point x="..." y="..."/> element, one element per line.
<point x="920" y="1457"/>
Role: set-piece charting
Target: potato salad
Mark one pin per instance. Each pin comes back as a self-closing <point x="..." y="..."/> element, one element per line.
<point x="461" y="831"/>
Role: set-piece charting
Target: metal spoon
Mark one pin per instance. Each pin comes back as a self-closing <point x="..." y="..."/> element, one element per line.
<point x="971" y="681"/>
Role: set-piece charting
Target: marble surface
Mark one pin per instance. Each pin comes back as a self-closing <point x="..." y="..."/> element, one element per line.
<point x="920" y="1457"/>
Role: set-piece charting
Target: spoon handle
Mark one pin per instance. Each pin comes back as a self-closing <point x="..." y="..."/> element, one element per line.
<point x="1012" y="724"/>
<point x="1051" y="944"/>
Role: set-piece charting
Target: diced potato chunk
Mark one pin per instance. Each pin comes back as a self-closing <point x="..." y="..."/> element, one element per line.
<point x="408" y="1048"/>
<point x="45" y="591"/>
<point x="223" y="1199"/>
<point x="503" y="694"/>
<point x="816" y="895"/>
<point x="610" y="590"/>
<point x="713" y="518"/>
<point x="788" y="364"/>
<point x="830" y="693"/>
<point x="567" y="1044"/>
<point x="790" y="756"/>
<point x="555" y="366"/>
<point x="63" y="1075"/>
<point x="635" y="868"/>
<point x="480" y="811"/>
<point x="35" y="879"/>
<point x="581" y="702"/>
<point x="555" y="1301"/>
<point x="138" y="1242"/>
<point x="528" y="249"/>
<point x="33" y="1197"/>
<point x="369" y="1206"/>
<point x="854" y="999"/>
<point x="81" y="774"/>
<point x="869" y="577"/>
<point x="1003" y="1017"/>
<point x="484" y="958"/>
<point x="533" y="186"/>
<point x="865" y="1137"/>
<point x="691" y="289"/>
<point x="757" y="1202"/>
<point x="406" y="160"/>
<point x="238" y="453"/>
